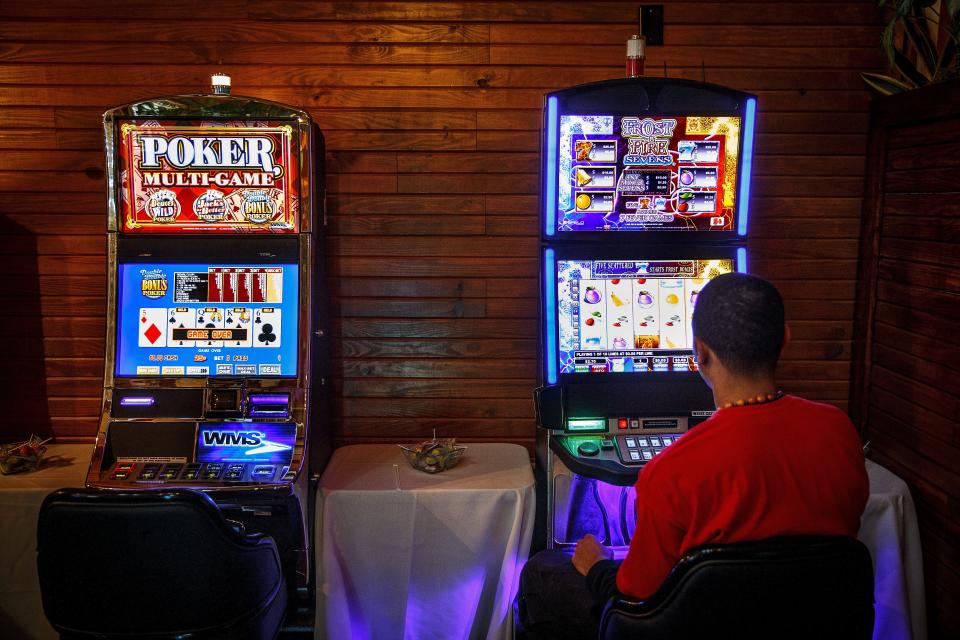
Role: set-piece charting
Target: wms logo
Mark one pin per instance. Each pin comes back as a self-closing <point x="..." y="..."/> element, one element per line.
<point x="254" y="442"/>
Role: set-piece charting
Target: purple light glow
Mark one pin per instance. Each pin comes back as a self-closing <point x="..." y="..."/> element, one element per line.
<point x="137" y="401"/>
<point x="268" y="398"/>
<point x="426" y="620"/>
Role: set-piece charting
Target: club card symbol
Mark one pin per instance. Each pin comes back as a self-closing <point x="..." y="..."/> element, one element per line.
<point x="258" y="207"/>
<point x="266" y="334"/>
<point x="267" y="321"/>
<point x="163" y="206"/>
<point x="153" y="284"/>
<point x="210" y="206"/>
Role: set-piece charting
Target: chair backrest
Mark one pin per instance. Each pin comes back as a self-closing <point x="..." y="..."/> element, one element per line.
<point x="802" y="587"/>
<point x="154" y="564"/>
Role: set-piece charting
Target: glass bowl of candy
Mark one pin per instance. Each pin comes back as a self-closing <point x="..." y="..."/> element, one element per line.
<point x="22" y="456"/>
<point x="433" y="456"/>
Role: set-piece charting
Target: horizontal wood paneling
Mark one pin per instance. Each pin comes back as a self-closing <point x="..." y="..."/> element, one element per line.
<point x="431" y="113"/>
<point x="907" y="345"/>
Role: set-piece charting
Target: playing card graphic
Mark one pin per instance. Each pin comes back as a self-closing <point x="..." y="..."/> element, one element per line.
<point x="266" y="327"/>
<point x="240" y="320"/>
<point x="210" y="318"/>
<point x="153" y="327"/>
<point x="180" y="321"/>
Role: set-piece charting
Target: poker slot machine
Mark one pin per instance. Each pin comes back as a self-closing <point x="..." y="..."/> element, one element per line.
<point x="215" y="366"/>
<point x="646" y="186"/>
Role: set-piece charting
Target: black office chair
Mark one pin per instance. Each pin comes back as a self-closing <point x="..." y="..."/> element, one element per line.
<point x="802" y="588"/>
<point x="154" y="564"/>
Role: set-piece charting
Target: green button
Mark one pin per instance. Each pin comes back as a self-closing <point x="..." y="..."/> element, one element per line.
<point x="588" y="448"/>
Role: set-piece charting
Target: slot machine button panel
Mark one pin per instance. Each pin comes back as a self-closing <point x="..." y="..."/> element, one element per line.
<point x="149" y="472"/>
<point x="192" y="472"/>
<point x="170" y="472"/>
<point x="235" y="472"/>
<point x="263" y="472"/>
<point x="212" y="471"/>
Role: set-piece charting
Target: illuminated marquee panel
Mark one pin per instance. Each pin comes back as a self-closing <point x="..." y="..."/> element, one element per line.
<point x="202" y="176"/>
<point x="623" y="172"/>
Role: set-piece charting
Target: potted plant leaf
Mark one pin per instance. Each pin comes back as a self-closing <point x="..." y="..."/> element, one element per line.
<point x="920" y="41"/>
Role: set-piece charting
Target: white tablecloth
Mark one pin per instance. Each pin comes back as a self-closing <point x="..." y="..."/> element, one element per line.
<point x="438" y="557"/>
<point x="21" y="612"/>
<point x="888" y="528"/>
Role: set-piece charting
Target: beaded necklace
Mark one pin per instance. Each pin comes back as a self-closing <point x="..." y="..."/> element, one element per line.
<point x="759" y="399"/>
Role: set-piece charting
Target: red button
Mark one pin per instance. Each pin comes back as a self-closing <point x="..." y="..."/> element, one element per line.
<point x="622" y="423"/>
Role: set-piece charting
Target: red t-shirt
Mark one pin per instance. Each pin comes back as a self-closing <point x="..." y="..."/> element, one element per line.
<point x="788" y="467"/>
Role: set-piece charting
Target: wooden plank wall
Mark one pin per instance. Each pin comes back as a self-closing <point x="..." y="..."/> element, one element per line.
<point x="907" y="361"/>
<point x="431" y="113"/>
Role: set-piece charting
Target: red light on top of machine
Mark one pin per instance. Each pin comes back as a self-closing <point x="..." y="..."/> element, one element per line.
<point x="622" y="423"/>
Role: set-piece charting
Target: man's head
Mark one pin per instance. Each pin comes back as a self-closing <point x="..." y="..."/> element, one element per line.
<point x="740" y="318"/>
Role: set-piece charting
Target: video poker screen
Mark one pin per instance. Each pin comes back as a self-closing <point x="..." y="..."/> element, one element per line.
<point x="621" y="172"/>
<point x="200" y="319"/>
<point x="629" y="316"/>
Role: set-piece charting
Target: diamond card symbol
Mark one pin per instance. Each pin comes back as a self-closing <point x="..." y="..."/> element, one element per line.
<point x="152" y="333"/>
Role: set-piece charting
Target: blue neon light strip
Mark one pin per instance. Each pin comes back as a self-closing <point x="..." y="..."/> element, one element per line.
<point x="550" y="187"/>
<point x="741" y="260"/>
<point x="550" y="297"/>
<point x="743" y="209"/>
<point x="137" y="401"/>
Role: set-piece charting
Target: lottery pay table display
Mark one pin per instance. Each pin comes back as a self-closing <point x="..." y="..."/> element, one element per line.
<point x="215" y="364"/>
<point x="645" y="191"/>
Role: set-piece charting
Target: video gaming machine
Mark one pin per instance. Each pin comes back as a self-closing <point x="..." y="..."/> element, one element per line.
<point x="646" y="184"/>
<point x="215" y="366"/>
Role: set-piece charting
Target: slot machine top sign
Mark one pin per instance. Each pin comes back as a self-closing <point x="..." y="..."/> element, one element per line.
<point x="637" y="173"/>
<point x="647" y="156"/>
<point x="208" y="175"/>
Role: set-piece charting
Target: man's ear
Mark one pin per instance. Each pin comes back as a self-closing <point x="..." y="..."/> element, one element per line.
<point x="703" y="352"/>
<point x="787" y="337"/>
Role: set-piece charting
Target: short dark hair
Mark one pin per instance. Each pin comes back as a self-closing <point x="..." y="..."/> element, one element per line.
<point x="740" y="317"/>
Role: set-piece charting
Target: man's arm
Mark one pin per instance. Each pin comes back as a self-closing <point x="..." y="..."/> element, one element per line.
<point x="599" y="568"/>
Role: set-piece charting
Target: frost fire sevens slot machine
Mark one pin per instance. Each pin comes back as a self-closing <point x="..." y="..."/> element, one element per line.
<point x="214" y="369"/>
<point x="646" y="183"/>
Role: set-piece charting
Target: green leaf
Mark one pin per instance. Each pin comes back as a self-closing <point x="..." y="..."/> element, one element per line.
<point x="885" y="85"/>
<point x="908" y="70"/>
<point x="919" y="36"/>
<point x="947" y="58"/>
<point x="886" y="41"/>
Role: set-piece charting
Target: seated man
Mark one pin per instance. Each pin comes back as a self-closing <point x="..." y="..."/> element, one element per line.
<point x="765" y="465"/>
